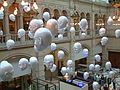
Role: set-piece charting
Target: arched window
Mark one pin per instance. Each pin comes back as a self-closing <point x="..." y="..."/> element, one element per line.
<point x="64" y="13"/>
<point x="82" y="15"/>
<point x="88" y="20"/>
<point x="55" y="14"/>
<point x="13" y="25"/>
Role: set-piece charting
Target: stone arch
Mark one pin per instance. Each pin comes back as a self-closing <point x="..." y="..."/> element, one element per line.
<point x="64" y="13"/>
<point x="17" y="54"/>
<point x="88" y="20"/>
<point x="55" y="14"/>
<point x="82" y="15"/>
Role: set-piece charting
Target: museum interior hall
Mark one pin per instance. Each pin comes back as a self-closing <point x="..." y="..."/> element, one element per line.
<point x="59" y="44"/>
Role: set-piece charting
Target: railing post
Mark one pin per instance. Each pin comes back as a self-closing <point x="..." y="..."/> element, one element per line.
<point x="46" y="87"/>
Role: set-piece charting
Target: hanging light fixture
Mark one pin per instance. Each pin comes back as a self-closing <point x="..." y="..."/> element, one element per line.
<point x="5" y="4"/>
<point x="116" y="5"/>
<point x="75" y="16"/>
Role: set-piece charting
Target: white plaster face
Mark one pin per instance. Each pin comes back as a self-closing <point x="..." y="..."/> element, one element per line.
<point x="102" y="31"/>
<point x="97" y="67"/>
<point x="69" y="63"/>
<point x="108" y="65"/>
<point x="85" y="75"/>
<point x="49" y="61"/>
<point x="83" y="24"/>
<point x="60" y="36"/>
<point x="1" y="32"/>
<point x="26" y="8"/>
<point x="111" y="74"/>
<point x="104" y="40"/>
<point x="23" y="63"/>
<point x="46" y="16"/>
<point x="6" y="71"/>
<point x="33" y="62"/>
<point x="97" y="58"/>
<point x="43" y="38"/>
<point x="52" y="25"/>
<point x="12" y="17"/>
<point x="70" y="71"/>
<point x="10" y="44"/>
<point x="61" y="54"/>
<point x="21" y="33"/>
<point x="91" y="67"/>
<point x="63" y="70"/>
<point x="85" y="52"/>
<point x="95" y="85"/>
<point x="35" y="24"/>
<point x="53" y="68"/>
<point x="117" y="33"/>
<point x="62" y="22"/>
<point x="53" y="46"/>
<point x="77" y="47"/>
<point x="110" y="21"/>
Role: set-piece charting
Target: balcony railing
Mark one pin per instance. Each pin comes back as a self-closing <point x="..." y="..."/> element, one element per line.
<point x="29" y="41"/>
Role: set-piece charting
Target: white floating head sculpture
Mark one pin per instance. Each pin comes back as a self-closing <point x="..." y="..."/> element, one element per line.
<point x="85" y="75"/>
<point x="61" y="54"/>
<point x="70" y="70"/>
<point x="52" y="25"/>
<point x="23" y="63"/>
<point x="111" y="74"/>
<point x="108" y="65"/>
<point x="6" y="71"/>
<point x="72" y="31"/>
<point x="43" y="38"/>
<point x="83" y="24"/>
<point x="1" y="32"/>
<point x="60" y="36"/>
<point x="33" y="63"/>
<point x="70" y="63"/>
<point x="10" y="44"/>
<point x="26" y="8"/>
<point x="117" y="33"/>
<point x="97" y="67"/>
<point x="12" y="17"/>
<point x="97" y="58"/>
<point x="110" y="21"/>
<point x="83" y="35"/>
<point x="21" y="33"/>
<point x="53" y="68"/>
<point x="35" y="24"/>
<point x="62" y="24"/>
<point x="1" y="14"/>
<point x="102" y="31"/>
<point x="95" y="85"/>
<point x="104" y="40"/>
<point x="91" y="67"/>
<point x="85" y="52"/>
<point x="53" y="46"/>
<point x="49" y="61"/>
<point x="77" y="47"/>
<point x="63" y="70"/>
<point x="46" y="16"/>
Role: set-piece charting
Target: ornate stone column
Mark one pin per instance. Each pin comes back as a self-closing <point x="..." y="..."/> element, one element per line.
<point x="21" y="22"/>
<point x="6" y="23"/>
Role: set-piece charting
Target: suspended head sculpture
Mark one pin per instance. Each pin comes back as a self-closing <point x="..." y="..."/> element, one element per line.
<point x="52" y="25"/>
<point x="10" y="44"/>
<point x="83" y="24"/>
<point x="23" y="63"/>
<point x="21" y="33"/>
<point x="49" y="61"/>
<point x="46" y="16"/>
<point x="43" y="38"/>
<point x="6" y="71"/>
